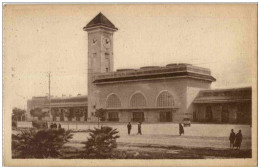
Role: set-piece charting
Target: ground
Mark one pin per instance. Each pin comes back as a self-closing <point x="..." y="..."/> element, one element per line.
<point x="198" y="135"/>
<point x="163" y="141"/>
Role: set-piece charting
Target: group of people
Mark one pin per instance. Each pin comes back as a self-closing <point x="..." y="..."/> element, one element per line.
<point x="139" y="128"/>
<point x="235" y="139"/>
<point x="55" y="126"/>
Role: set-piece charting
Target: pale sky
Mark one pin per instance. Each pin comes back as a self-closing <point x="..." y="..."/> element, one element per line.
<point x="39" y="39"/>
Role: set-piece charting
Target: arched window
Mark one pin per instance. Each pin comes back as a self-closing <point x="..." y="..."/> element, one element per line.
<point x="113" y="101"/>
<point x="165" y="99"/>
<point x="138" y="100"/>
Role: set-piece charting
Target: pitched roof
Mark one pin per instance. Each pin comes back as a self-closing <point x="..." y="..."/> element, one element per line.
<point x="100" y="20"/>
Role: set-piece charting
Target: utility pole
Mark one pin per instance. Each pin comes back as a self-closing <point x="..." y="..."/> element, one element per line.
<point x="50" y="92"/>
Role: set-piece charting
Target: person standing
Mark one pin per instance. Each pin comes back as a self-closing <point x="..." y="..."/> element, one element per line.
<point x="181" y="129"/>
<point x="51" y="126"/>
<point x="129" y="127"/>
<point x="139" y="128"/>
<point x="232" y="137"/>
<point x="59" y="126"/>
<point x="238" y="139"/>
<point x="55" y="126"/>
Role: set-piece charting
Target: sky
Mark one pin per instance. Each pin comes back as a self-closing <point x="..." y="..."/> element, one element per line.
<point x="39" y="39"/>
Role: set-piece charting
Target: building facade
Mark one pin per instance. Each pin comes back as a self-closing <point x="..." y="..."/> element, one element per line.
<point x="224" y="106"/>
<point x="62" y="109"/>
<point x="148" y="94"/>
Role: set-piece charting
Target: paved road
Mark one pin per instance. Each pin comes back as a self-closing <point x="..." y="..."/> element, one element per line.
<point x="198" y="135"/>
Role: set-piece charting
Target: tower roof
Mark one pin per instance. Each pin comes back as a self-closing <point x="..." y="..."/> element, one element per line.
<point x="100" y="20"/>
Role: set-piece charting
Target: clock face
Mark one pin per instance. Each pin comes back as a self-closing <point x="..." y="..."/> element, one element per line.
<point x="106" y="42"/>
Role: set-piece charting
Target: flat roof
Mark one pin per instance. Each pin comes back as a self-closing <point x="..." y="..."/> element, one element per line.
<point x="173" y="71"/>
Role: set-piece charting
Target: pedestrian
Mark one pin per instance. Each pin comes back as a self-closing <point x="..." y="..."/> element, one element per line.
<point x="59" y="126"/>
<point x="51" y="126"/>
<point x="55" y="126"/>
<point x="129" y="126"/>
<point x="181" y="130"/>
<point x="139" y="128"/>
<point x="238" y="139"/>
<point x="232" y="138"/>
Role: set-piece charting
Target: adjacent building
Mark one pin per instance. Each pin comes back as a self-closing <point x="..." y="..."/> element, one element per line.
<point x="62" y="109"/>
<point x="224" y="106"/>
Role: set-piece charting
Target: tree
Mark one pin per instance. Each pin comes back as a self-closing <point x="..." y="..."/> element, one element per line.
<point x="100" y="114"/>
<point x="55" y="112"/>
<point x="79" y="113"/>
<point x="37" y="112"/>
<point x="45" y="143"/>
<point x="18" y="114"/>
<point x="101" y="142"/>
<point x="69" y="113"/>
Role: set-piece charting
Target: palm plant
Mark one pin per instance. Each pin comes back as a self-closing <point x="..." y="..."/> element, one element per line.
<point x="40" y="144"/>
<point x="101" y="142"/>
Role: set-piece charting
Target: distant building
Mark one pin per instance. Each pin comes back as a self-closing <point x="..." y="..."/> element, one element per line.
<point x="62" y="109"/>
<point x="224" y="106"/>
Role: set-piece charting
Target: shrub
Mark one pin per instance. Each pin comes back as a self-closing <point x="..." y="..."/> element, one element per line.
<point x="101" y="142"/>
<point x="14" y="124"/>
<point x="45" y="143"/>
<point x="39" y="124"/>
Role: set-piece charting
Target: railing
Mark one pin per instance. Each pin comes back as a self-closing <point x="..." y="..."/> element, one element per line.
<point x="153" y="71"/>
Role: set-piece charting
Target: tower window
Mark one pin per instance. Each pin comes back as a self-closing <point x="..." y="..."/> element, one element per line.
<point x="107" y="63"/>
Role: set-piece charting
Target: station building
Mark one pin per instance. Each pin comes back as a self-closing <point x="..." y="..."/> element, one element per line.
<point x="152" y="93"/>
<point x="149" y="94"/>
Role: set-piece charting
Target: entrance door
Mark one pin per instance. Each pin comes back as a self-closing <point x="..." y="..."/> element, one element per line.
<point x="138" y="116"/>
<point x="165" y="116"/>
<point x="225" y="114"/>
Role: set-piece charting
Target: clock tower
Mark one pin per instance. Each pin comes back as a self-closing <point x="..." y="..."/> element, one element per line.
<point x="100" y="44"/>
<point x="100" y="54"/>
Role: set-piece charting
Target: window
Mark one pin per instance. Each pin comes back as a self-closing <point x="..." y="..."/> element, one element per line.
<point x="225" y="114"/>
<point x="209" y="115"/>
<point x="113" y="116"/>
<point x="165" y="99"/>
<point x="54" y="118"/>
<point x="85" y="114"/>
<point x="62" y="115"/>
<point x="194" y="116"/>
<point x="113" y="101"/>
<point x="138" y="100"/>
<point x="107" y="62"/>
<point x="165" y="116"/>
<point x="138" y="116"/>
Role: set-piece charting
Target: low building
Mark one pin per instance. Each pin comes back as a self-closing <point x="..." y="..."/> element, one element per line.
<point x="224" y="106"/>
<point x="62" y="109"/>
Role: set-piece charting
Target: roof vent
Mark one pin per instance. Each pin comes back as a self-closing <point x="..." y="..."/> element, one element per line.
<point x="149" y="67"/>
<point x="184" y="64"/>
<point x="125" y="70"/>
<point x="172" y="65"/>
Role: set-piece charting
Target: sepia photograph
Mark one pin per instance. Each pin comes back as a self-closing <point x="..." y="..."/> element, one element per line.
<point x="84" y="84"/>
